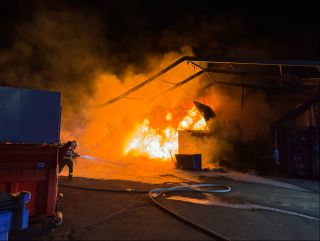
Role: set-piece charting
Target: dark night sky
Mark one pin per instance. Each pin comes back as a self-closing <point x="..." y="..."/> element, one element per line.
<point x="288" y="29"/>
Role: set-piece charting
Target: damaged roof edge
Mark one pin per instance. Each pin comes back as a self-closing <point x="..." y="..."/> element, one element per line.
<point x="205" y="110"/>
<point x="296" y="111"/>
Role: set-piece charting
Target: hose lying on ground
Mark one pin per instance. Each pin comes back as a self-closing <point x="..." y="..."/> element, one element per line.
<point x="153" y="194"/>
<point x="128" y="190"/>
<point x="190" y="188"/>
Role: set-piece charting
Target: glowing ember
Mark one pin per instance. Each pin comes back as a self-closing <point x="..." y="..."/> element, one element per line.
<point x="169" y="116"/>
<point x="161" y="143"/>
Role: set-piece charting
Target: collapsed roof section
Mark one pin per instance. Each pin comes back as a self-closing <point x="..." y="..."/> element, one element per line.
<point x="205" y="111"/>
<point x="272" y="74"/>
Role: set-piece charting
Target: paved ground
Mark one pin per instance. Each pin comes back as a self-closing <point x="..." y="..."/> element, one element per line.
<point x="305" y="183"/>
<point x="251" y="211"/>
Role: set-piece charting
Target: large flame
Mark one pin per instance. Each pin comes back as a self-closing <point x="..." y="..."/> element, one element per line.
<point x="152" y="142"/>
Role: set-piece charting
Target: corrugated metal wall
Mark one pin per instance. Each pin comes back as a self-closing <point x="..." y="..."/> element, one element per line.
<point x="29" y="116"/>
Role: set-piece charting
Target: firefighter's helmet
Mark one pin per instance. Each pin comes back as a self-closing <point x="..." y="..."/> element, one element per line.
<point x="74" y="144"/>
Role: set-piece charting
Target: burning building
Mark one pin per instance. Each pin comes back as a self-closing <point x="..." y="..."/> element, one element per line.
<point x="189" y="137"/>
<point x="163" y="143"/>
<point x="197" y="131"/>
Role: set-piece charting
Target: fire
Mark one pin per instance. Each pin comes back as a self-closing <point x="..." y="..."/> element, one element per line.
<point x="161" y="143"/>
<point x="192" y="121"/>
<point x="151" y="142"/>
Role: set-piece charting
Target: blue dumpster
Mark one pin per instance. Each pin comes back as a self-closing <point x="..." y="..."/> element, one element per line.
<point x="13" y="213"/>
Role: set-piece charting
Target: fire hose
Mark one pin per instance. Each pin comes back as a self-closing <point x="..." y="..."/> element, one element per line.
<point x="190" y="188"/>
<point x="153" y="194"/>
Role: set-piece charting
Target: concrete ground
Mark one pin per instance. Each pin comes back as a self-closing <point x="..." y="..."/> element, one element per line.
<point x="255" y="209"/>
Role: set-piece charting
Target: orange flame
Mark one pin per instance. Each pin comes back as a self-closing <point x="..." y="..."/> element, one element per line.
<point x="153" y="143"/>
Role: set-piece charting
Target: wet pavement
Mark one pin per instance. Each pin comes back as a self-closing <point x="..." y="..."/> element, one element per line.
<point x="255" y="209"/>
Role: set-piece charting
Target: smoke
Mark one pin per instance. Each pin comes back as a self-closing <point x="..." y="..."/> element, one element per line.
<point x="59" y="51"/>
<point x="241" y="116"/>
<point x="107" y="127"/>
<point x="72" y="51"/>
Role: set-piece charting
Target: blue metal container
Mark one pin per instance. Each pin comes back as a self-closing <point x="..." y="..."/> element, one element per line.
<point x="5" y="224"/>
<point x="29" y="116"/>
<point x="13" y="213"/>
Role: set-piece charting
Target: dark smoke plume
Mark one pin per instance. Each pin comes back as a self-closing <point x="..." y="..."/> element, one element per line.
<point x="56" y="50"/>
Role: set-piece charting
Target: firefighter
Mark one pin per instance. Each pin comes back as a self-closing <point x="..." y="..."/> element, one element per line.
<point x="69" y="158"/>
